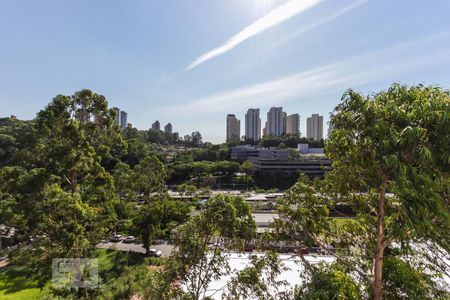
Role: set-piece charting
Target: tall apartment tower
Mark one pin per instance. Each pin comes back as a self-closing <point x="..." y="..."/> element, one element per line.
<point x="117" y="120"/>
<point x="123" y="119"/>
<point x="314" y="127"/>
<point x="233" y="128"/>
<point x="276" y="121"/>
<point x="156" y="125"/>
<point x="252" y="124"/>
<point x="293" y="124"/>
<point x="330" y="128"/>
<point x="168" y="128"/>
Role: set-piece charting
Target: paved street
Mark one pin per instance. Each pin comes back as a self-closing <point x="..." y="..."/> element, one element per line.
<point x="164" y="248"/>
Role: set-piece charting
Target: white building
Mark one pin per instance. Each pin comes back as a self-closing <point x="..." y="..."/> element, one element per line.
<point x="293" y="124"/>
<point x="252" y="124"/>
<point x="314" y="127"/>
<point x="276" y="121"/>
<point x="233" y="128"/>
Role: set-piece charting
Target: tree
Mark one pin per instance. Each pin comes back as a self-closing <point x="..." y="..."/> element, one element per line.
<point x="329" y="282"/>
<point x="195" y="262"/>
<point x="390" y="167"/>
<point x="156" y="219"/>
<point x="149" y="176"/>
<point x="123" y="180"/>
<point x="60" y="223"/>
<point x="196" y="139"/>
<point x="8" y="148"/>
<point x="259" y="280"/>
<point x="71" y="142"/>
<point x="270" y="141"/>
<point x="396" y="141"/>
<point x="186" y="189"/>
<point x="60" y="196"/>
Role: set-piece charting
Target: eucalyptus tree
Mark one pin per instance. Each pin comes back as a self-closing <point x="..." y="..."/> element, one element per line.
<point x="391" y="155"/>
<point x="395" y="141"/>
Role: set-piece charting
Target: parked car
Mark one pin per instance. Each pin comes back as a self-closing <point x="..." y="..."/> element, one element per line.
<point x="116" y="238"/>
<point x="216" y="246"/>
<point x="129" y="239"/>
<point x="154" y="253"/>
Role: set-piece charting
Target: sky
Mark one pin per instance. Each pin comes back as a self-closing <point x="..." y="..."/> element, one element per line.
<point x="191" y="63"/>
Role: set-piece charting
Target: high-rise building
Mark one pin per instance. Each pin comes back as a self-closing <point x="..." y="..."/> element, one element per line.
<point x="252" y="124"/>
<point x="123" y="119"/>
<point x="233" y="128"/>
<point x="117" y="120"/>
<point x="330" y="128"/>
<point x="168" y="128"/>
<point x="156" y="125"/>
<point x="276" y="121"/>
<point x="293" y="124"/>
<point x="314" y="127"/>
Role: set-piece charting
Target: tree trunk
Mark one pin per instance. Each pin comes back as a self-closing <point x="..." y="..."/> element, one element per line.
<point x="73" y="182"/>
<point x="379" y="252"/>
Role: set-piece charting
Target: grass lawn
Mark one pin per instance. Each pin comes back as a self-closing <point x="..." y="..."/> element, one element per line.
<point x="342" y="221"/>
<point x="14" y="284"/>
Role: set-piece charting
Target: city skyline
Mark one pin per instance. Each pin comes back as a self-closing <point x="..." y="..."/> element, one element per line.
<point x="233" y="128"/>
<point x="278" y="123"/>
<point x="191" y="65"/>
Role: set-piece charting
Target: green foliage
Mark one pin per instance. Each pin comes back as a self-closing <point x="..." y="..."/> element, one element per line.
<point x="259" y="280"/>
<point x="186" y="189"/>
<point x="16" y="284"/>
<point x="329" y="283"/>
<point x="404" y="281"/>
<point x="288" y="141"/>
<point x="394" y="141"/>
<point x="158" y="218"/>
<point x="133" y="281"/>
<point x="194" y="262"/>
<point x="149" y="176"/>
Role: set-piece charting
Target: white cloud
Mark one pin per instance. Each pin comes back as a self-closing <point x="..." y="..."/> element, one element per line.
<point x="327" y="19"/>
<point x="273" y="18"/>
<point x="386" y="64"/>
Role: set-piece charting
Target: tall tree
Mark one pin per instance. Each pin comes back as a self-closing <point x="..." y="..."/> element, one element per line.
<point x="390" y="154"/>
<point x="75" y="132"/>
<point x="395" y="141"/>
<point x="149" y="176"/>
<point x="157" y="219"/>
<point x="62" y="195"/>
<point x="199" y="258"/>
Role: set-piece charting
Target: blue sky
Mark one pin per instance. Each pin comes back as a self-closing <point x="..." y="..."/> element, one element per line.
<point x="192" y="62"/>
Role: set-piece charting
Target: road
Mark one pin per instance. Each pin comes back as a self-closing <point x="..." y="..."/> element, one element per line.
<point x="165" y="249"/>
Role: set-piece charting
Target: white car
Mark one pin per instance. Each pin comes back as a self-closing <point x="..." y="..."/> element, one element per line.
<point x="129" y="239"/>
<point x="116" y="238"/>
<point x="154" y="253"/>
